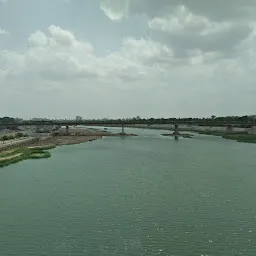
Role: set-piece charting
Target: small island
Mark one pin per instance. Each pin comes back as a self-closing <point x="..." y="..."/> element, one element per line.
<point x="183" y="135"/>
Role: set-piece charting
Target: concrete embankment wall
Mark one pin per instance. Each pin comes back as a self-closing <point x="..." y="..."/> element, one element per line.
<point x="252" y="130"/>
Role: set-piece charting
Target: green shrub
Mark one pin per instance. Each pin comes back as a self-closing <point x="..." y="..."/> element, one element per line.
<point x="19" y="135"/>
<point x="11" y="137"/>
<point x="4" y="138"/>
<point x="26" y="153"/>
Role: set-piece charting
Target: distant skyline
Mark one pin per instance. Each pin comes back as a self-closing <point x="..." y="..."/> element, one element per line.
<point x="126" y="58"/>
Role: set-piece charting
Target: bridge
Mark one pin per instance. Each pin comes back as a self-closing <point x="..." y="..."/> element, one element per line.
<point x="206" y="122"/>
<point x="122" y="123"/>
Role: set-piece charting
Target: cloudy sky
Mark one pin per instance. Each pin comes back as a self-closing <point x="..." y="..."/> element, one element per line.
<point x="123" y="58"/>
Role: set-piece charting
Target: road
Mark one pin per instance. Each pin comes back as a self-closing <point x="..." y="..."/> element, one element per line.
<point x="14" y="142"/>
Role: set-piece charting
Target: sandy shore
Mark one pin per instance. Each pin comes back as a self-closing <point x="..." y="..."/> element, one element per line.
<point x="59" y="140"/>
<point x="74" y="139"/>
<point x="64" y="140"/>
<point x="55" y="141"/>
<point x="38" y="148"/>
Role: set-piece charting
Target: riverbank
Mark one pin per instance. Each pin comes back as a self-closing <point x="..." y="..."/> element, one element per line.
<point x="65" y="140"/>
<point x="239" y="137"/>
<point x="247" y="138"/>
<point x="38" y="148"/>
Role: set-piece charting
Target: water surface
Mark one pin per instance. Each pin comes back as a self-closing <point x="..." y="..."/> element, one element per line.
<point x="149" y="195"/>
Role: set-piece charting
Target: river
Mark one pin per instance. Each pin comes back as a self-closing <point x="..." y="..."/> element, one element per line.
<point x="145" y="195"/>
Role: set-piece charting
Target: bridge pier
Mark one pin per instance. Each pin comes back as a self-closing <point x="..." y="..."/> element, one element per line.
<point x="176" y="130"/>
<point x="67" y="130"/>
<point x="229" y="129"/>
<point x="122" y="133"/>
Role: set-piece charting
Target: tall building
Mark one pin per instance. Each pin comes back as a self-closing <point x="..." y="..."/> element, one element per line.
<point x="78" y="118"/>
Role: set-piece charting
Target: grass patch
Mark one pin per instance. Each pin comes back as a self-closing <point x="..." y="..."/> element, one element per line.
<point x="7" y="162"/>
<point x="6" y="153"/>
<point x="38" y="155"/>
<point x="45" y="147"/>
<point x="248" y="138"/>
<point x="211" y="133"/>
<point x="22" y="154"/>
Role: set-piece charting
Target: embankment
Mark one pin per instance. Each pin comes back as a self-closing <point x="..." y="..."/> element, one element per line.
<point x="19" y="144"/>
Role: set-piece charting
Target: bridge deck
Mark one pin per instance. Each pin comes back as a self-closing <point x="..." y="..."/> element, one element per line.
<point x="88" y="123"/>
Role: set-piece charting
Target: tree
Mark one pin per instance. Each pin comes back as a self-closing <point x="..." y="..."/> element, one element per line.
<point x="7" y="120"/>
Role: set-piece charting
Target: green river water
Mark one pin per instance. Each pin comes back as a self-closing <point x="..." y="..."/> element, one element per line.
<point x="145" y="195"/>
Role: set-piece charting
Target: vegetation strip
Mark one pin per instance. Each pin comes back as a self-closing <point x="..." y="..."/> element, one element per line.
<point x="11" y="157"/>
<point x="18" y="135"/>
<point x="248" y="138"/>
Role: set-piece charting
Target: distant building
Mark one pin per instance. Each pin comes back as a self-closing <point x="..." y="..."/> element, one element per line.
<point x="18" y="120"/>
<point x="79" y="118"/>
<point x="40" y="119"/>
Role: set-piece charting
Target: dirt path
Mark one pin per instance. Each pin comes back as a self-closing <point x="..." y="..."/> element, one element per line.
<point x="10" y="157"/>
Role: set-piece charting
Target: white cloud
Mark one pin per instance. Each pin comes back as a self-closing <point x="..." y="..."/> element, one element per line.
<point x="3" y="32"/>
<point x="61" y="68"/>
<point x="196" y="56"/>
<point x="145" y="49"/>
<point x="115" y="9"/>
<point x="182" y="20"/>
<point x="61" y="56"/>
<point x="218" y="10"/>
<point x="247" y="50"/>
<point x="38" y="39"/>
<point x="193" y="24"/>
<point x="165" y="58"/>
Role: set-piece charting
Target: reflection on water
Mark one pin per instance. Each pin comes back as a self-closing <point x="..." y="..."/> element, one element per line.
<point x="145" y="195"/>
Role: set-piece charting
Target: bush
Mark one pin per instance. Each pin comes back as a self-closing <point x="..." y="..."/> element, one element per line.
<point x="19" y="135"/>
<point x="4" y="138"/>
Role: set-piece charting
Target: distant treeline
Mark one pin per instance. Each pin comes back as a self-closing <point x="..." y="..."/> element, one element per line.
<point x="189" y="119"/>
<point x="7" y="120"/>
<point x="149" y="121"/>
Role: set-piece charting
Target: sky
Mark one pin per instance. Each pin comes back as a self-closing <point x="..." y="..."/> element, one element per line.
<point x="126" y="58"/>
